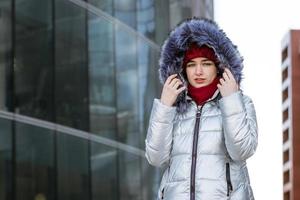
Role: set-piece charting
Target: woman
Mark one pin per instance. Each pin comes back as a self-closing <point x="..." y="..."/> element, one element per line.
<point x="203" y="128"/>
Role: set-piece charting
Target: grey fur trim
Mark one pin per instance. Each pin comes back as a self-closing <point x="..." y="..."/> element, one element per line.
<point x="201" y="31"/>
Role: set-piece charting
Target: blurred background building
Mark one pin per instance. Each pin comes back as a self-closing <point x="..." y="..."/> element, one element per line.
<point x="77" y="81"/>
<point x="290" y="47"/>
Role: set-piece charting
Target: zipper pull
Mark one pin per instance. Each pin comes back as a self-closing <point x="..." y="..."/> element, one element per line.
<point x="229" y="190"/>
<point x="198" y="112"/>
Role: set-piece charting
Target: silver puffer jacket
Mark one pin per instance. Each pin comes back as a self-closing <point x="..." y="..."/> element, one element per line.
<point x="204" y="150"/>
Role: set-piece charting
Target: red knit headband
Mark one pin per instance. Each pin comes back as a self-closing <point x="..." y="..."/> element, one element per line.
<point x="195" y="51"/>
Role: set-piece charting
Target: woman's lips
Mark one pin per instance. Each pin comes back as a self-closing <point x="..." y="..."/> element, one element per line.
<point x="199" y="80"/>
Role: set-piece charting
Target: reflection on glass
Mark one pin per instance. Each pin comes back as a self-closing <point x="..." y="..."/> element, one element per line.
<point x="71" y="72"/>
<point x="148" y="83"/>
<point x="179" y="10"/>
<point x="5" y="159"/>
<point x="101" y="78"/>
<point x="130" y="176"/>
<point x="105" y="5"/>
<point x="104" y="172"/>
<point x="73" y="168"/>
<point x="34" y="58"/>
<point x="162" y="21"/>
<point x="146" y="18"/>
<point x="35" y="172"/>
<point x="127" y="87"/>
<point x="125" y="11"/>
<point x="5" y="55"/>
<point x="151" y="177"/>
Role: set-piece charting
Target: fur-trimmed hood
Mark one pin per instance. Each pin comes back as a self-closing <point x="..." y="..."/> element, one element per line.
<point x="201" y="31"/>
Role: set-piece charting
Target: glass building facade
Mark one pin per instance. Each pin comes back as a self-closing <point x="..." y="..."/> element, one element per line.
<point x="77" y="81"/>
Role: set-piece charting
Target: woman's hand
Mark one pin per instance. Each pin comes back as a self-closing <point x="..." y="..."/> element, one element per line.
<point x="171" y="90"/>
<point x="227" y="85"/>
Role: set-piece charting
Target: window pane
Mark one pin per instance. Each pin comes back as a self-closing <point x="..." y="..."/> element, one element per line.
<point x="162" y="21"/>
<point x="34" y="58"/>
<point x="127" y="87"/>
<point x="129" y="176"/>
<point x="102" y="78"/>
<point x="151" y="177"/>
<point x="179" y="10"/>
<point x="125" y="11"/>
<point x="104" y="172"/>
<point x="146" y="18"/>
<point x="71" y="73"/>
<point x="105" y="5"/>
<point x="35" y="174"/>
<point x="149" y="88"/>
<point x="149" y="85"/>
<point x="5" y="56"/>
<point x="5" y="159"/>
<point x="73" y="167"/>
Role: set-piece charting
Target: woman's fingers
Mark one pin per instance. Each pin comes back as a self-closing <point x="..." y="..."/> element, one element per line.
<point x="225" y="76"/>
<point x="229" y="74"/>
<point x="170" y="78"/>
<point x="175" y="82"/>
<point x="179" y="90"/>
<point x="222" y="81"/>
<point x="171" y="90"/>
<point x="227" y="84"/>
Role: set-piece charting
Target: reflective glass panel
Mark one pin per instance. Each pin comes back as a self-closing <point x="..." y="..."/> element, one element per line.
<point x="104" y="5"/>
<point x="102" y="77"/>
<point x="149" y="85"/>
<point x="130" y="176"/>
<point x="35" y="174"/>
<point x="179" y="10"/>
<point x="71" y="72"/>
<point x="104" y="172"/>
<point x="146" y="18"/>
<point x="5" y="56"/>
<point x="127" y="87"/>
<point x="33" y="62"/>
<point x="151" y="177"/>
<point x="125" y="11"/>
<point x="72" y="168"/>
<point x="5" y="159"/>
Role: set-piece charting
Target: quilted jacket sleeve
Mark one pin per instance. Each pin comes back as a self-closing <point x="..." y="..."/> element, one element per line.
<point x="159" y="135"/>
<point x="240" y="126"/>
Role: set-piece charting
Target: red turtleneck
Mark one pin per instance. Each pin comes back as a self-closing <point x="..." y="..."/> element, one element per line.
<point x="202" y="94"/>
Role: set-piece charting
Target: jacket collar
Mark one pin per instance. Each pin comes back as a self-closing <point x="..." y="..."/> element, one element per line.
<point x="216" y="96"/>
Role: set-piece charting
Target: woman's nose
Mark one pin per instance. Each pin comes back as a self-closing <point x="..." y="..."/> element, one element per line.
<point x="198" y="69"/>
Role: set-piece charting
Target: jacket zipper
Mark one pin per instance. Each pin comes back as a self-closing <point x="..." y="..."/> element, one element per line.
<point x="194" y="153"/>
<point x="228" y="180"/>
<point x="195" y="147"/>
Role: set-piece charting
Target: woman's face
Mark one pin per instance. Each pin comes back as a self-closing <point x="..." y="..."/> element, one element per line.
<point x="201" y="72"/>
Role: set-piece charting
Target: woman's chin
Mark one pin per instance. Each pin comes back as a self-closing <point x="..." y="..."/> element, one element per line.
<point x="198" y="85"/>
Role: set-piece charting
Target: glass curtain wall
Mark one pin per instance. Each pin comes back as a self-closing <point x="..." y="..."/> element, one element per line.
<point x="75" y="68"/>
<point x="6" y="154"/>
<point x="73" y="178"/>
<point x="71" y="65"/>
<point x="179" y="10"/>
<point x="33" y="61"/>
<point x="104" y="174"/>
<point x="91" y="66"/>
<point x="35" y="163"/>
<point x="6" y="90"/>
<point x="102" y="87"/>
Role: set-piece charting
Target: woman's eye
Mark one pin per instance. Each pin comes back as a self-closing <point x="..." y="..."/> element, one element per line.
<point x="207" y="64"/>
<point x="190" y="65"/>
